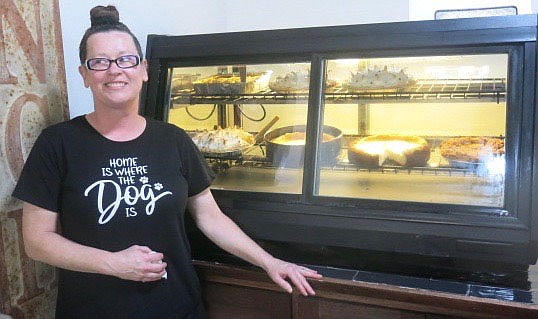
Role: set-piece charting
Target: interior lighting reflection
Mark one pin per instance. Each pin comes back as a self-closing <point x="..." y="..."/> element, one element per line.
<point x="496" y="165"/>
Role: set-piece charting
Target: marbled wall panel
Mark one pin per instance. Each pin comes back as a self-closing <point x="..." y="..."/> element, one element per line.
<point x="32" y="96"/>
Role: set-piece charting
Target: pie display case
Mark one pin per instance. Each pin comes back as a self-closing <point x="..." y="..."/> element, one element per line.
<point x="419" y="132"/>
<point x="411" y="126"/>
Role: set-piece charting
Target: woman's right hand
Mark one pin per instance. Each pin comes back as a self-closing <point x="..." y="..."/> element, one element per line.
<point x="138" y="263"/>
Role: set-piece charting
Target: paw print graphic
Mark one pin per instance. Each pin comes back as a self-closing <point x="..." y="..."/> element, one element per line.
<point x="144" y="179"/>
<point x="158" y="186"/>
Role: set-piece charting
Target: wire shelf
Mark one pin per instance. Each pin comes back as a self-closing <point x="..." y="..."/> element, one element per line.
<point x="424" y="90"/>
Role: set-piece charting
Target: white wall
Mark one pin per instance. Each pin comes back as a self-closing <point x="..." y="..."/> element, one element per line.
<point x="211" y="16"/>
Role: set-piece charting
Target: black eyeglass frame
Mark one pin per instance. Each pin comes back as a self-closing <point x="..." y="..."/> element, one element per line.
<point x="137" y="58"/>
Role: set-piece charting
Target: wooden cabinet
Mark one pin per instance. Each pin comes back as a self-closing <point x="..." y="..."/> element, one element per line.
<point x="246" y="293"/>
<point x="225" y="301"/>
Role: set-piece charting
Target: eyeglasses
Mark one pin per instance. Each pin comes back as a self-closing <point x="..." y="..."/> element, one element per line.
<point x="103" y="64"/>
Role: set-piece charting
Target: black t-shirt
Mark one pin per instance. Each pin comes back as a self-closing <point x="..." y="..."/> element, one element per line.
<point x="112" y="195"/>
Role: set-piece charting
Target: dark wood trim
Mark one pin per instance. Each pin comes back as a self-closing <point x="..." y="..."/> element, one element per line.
<point x="371" y="294"/>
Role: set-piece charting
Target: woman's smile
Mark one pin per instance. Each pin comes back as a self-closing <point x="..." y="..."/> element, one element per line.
<point x="116" y="84"/>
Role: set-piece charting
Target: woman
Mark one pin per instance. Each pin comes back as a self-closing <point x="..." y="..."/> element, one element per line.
<point x="105" y="195"/>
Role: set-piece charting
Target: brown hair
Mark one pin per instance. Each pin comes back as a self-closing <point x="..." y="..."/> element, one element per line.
<point x="104" y="19"/>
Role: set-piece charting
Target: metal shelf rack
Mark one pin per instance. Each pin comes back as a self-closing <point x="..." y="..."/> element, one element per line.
<point x="424" y="90"/>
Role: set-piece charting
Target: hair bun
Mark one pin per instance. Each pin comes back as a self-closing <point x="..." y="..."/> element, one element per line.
<point x="102" y="15"/>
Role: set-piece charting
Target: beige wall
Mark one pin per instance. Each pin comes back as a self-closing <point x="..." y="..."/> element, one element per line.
<point x="32" y="96"/>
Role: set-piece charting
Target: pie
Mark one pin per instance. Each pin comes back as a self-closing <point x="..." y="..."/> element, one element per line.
<point x="232" y="84"/>
<point x="473" y="149"/>
<point x="297" y="138"/>
<point x="377" y="78"/>
<point x="389" y="149"/>
<point x="222" y="140"/>
<point x="183" y="82"/>
<point x="296" y="82"/>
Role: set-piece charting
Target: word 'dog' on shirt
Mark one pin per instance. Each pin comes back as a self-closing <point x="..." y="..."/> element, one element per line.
<point x="129" y="183"/>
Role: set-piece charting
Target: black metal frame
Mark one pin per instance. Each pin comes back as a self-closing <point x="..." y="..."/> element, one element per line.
<point x="509" y="234"/>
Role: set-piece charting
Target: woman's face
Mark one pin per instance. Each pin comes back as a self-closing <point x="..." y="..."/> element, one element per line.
<point x="116" y="87"/>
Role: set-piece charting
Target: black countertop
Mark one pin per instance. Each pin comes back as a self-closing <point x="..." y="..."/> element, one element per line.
<point x="522" y="295"/>
<point x="506" y="282"/>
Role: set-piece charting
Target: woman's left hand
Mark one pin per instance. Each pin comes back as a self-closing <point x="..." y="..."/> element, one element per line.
<point x="278" y="270"/>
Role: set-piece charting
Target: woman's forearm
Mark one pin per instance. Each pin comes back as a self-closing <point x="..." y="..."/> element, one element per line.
<point x="43" y="242"/>
<point x="53" y="249"/>
<point x="220" y="229"/>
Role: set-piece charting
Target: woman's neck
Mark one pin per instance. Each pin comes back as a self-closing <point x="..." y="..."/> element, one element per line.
<point x="119" y="127"/>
